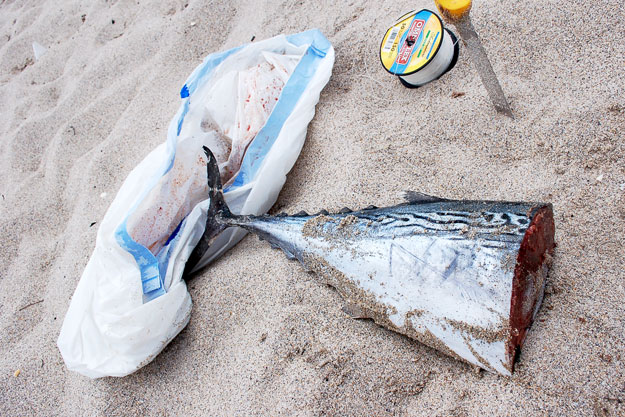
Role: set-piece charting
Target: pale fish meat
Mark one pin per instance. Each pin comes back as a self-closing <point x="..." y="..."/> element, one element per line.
<point x="172" y="197"/>
<point x="464" y="277"/>
<point x="259" y="89"/>
<point x="184" y="185"/>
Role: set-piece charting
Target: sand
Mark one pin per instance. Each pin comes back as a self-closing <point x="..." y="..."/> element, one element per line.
<point x="265" y="337"/>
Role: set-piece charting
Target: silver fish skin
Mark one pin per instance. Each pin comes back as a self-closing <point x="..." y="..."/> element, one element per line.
<point x="459" y="276"/>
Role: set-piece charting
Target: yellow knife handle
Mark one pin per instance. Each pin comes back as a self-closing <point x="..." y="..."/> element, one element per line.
<point x="453" y="10"/>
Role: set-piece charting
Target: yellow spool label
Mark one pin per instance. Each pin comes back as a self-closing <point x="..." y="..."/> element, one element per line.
<point x="411" y="43"/>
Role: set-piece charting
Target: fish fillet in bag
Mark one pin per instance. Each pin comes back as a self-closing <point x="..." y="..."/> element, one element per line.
<point x="251" y="106"/>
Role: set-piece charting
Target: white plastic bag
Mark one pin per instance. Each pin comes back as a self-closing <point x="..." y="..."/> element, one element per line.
<point x="131" y="300"/>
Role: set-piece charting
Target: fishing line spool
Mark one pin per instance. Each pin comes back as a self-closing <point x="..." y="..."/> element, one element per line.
<point x="418" y="48"/>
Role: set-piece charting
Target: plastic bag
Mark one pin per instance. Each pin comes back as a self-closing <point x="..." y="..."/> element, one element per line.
<point x="131" y="300"/>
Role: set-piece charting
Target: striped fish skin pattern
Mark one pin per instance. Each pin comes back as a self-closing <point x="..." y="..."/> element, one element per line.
<point x="439" y="271"/>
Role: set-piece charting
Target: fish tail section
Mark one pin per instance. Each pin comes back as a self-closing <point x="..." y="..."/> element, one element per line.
<point x="218" y="206"/>
<point x="217" y="215"/>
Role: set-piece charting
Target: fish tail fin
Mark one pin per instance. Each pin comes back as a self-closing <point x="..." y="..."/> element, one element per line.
<point x="218" y="206"/>
<point x="217" y="215"/>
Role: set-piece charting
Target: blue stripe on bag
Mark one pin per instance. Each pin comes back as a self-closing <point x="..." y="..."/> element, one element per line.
<point x="153" y="269"/>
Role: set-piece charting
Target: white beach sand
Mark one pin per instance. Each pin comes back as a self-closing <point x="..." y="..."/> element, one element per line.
<point x="265" y="337"/>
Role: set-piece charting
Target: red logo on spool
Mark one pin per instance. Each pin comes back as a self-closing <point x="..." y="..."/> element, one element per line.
<point x="411" y="39"/>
